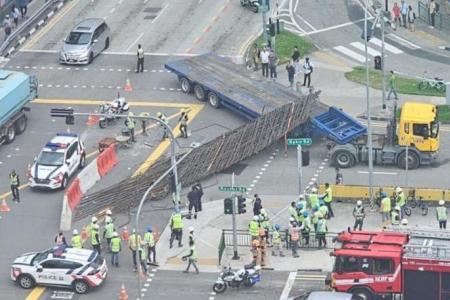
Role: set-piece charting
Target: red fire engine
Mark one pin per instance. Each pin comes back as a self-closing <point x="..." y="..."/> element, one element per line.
<point x="414" y="264"/>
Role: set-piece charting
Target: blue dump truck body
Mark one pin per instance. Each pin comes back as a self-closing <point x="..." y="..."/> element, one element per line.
<point x="222" y="83"/>
<point x="16" y="91"/>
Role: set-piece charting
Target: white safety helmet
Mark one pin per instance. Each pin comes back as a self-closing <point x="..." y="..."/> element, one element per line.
<point x="397" y="208"/>
<point x="359" y="203"/>
<point x="95" y="226"/>
<point x="398" y="190"/>
<point x="441" y="202"/>
<point x="94" y="219"/>
<point x="115" y="234"/>
<point x="159" y="115"/>
<point x="292" y="219"/>
<point x="404" y="222"/>
<point x="75" y="232"/>
<point x="130" y="114"/>
<point x="134" y="230"/>
<point x="108" y="212"/>
<point x="313" y="190"/>
<point x="256" y="218"/>
<point x="263" y="212"/>
<point x="191" y="228"/>
<point x="301" y="197"/>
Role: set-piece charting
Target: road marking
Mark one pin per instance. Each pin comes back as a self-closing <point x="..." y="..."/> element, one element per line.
<point x="135" y="41"/>
<point x="306" y="22"/>
<point x="31" y="42"/>
<point x="350" y="53"/>
<point x="378" y="173"/>
<point x="112" y="10"/>
<point x="404" y="42"/>
<point x="288" y="286"/>
<point x="160" y="13"/>
<point x="140" y="103"/>
<point x="388" y="47"/>
<point x="333" y="27"/>
<point x="36" y="293"/>
<point x="361" y="46"/>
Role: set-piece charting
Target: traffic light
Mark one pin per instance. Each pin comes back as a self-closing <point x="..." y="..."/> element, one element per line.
<point x="241" y="205"/>
<point x="228" y="206"/>
<point x="305" y="158"/>
<point x="172" y="185"/>
<point x="272" y="29"/>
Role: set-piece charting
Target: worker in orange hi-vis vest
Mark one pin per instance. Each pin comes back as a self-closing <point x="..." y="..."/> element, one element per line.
<point x="255" y="252"/>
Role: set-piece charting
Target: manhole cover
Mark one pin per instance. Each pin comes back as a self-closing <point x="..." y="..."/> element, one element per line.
<point x="153" y="10"/>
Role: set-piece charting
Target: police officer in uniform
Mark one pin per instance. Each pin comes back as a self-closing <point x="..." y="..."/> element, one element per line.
<point x="359" y="214"/>
<point x="15" y="183"/>
<point x="140" y="59"/>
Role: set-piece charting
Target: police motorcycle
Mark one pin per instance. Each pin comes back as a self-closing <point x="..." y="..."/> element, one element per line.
<point x="248" y="276"/>
<point x="117" y="107"/>
<point x="253" y="5"/>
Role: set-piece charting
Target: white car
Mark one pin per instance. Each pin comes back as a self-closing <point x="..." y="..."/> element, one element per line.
<point x="79" y="269"/>
<point x="58" y="160"/>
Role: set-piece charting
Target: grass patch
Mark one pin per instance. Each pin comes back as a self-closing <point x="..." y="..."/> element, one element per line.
<point x="285" y="43"/>
<point x="405" y="85"/>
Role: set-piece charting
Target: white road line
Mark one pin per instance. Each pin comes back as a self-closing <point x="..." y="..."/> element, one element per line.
<point x="306" y="22"/>
<point x="378" y="173"/>
<point x="296" y="4"/>
<point x="288" y="286"/>
<point x="387" y="46"/>
<point x="333" y="27"/>
<point x="350" y="53"/>
<point x="135" y="41"/>
<point x="160" y="13"/>
<point x="291" y="14"/>
<point x="40" y="23"/>
<point x="50" y="14"/>
<point x="117" y="53"/>
<point x="22" y="40"/>
<point x="360" y="46"/>
<point x="112" y="10"/>
<point x="404" y="42"/>
<point x="32" y="30"/>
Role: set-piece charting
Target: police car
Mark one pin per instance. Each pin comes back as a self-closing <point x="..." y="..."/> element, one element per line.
<point x="58" y="160"/>
<point x="79" y="269"/>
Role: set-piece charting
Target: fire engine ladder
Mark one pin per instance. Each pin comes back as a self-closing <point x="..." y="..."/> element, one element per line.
<point x="428" y="243"/>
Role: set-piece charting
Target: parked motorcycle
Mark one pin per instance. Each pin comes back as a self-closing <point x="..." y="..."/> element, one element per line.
<point x="253" y="5"/>
<point x="248" y="276"/>
<point x="117" y="107"/>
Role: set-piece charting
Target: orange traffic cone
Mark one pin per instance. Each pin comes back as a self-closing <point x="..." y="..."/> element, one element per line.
<point x="93" y="120"/>
<point x="4" y="206"/>
<point x="123" y="293"/>
<point x="128" y="87"/>
<point x="125" y="234"/>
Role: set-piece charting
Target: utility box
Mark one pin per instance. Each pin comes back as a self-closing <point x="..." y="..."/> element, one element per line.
<point x="377" y="62"/>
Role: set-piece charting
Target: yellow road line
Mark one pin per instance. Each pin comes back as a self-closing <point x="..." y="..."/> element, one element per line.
<point x="50" y="24"/>
<point x="164" y="145"/>
<point x="36" y="293"/>
<point x="139" y="103"/>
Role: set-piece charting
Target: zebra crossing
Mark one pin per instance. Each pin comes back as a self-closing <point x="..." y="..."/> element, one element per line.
<point x="356" y="50"/>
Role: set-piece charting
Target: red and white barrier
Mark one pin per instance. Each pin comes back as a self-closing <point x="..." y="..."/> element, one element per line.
<point x="85" y="180"/>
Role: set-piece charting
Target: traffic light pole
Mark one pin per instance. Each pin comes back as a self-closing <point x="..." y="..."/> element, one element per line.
<point x="264" y="20"/>
<point x="299" y="166"/>
<point x="233" y="215"/>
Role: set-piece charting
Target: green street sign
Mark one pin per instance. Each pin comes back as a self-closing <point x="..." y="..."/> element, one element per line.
<point x="241" y="189"/>
<point x="299" y="142"/>
<point x="263" y="9"/>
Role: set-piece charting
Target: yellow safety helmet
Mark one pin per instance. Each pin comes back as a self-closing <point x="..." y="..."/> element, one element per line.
<point x="159" y="114"/>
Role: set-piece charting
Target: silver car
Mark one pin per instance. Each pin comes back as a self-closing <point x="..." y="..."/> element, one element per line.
<point x="85" y="41"/>
<point x="324" y="295"/>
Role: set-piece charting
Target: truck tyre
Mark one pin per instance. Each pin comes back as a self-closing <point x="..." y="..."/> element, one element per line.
<point x="343" y="159"/>
<point x="21" y="124"/>
<point x="199" y="92"/>
<point x="185" y="85"/>
<point x="10" y="134"/>
<point x="413" y="160"/>
<point x="213" y="100"/>
<point x="363" y="294"/>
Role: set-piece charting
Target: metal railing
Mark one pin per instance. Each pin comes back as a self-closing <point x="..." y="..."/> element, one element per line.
<point x="441" y="19"/>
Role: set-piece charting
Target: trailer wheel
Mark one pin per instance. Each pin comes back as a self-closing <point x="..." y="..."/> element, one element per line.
<point x="363" y="294"/>
<point x="185" y="85"/>
<point x="21" y="124"/>
<point x="343" y="159"/>
<point x="199" y="92"/>
<point x="10" y="134"/>
<point x="213" y="100"/>
<point x="413" y="160"/>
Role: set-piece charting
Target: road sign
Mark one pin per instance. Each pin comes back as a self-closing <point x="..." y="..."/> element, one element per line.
<point x="241" y="189"/>
<point x="299" y="142"/>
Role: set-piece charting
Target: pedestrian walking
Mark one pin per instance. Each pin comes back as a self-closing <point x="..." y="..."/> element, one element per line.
<point x="307" y="70"/>
<point x="339" y="176"/>
<point x="264" y="56"/>
<point x="95" y="239"/>
<point x="176" y="224"/>
<point x="142" y="252"/>
<point x="191" y="258"/>
<point x="14" y="181"/>
<point x="296" y="59"/>
<point x="293" y="231"/>
<point x="7" y="26"/>
<point x="322" y="230"/>
<point x="199" y="188"/>
<point x="116" y="247"/>
<point x="257" y="205"/>
<point x="131" y="125"/>
<point x="442" y="214"/>
<point x="276" y="241"/>
<point x="392" y="86"/>
<point x="193" y="200"/>
<point x="76" y="241"/>
<point x="404" y="12"/>
<point x="396" y="14"/>
<point x="328" y="199"/>
<point x="140" y="59"/>
<point x="359" y="214"/>
<point x="273" y="62"/>
<point x="23" y="5"/>
<point x="183" y="124"/>
<point x="134" y="242"/>
<point x="291" y="73"/>
<point x="385" y="209"/>
<point x="256" y="57"/>
<point x="150" y="243"/>
<point x="60" y="239"/>
<point x="108" y="233"/>
<point x="432" y="9"/>
<point x="163" y="118"/>
<point x="15" y="15"/>
<point x="411" y="19"/>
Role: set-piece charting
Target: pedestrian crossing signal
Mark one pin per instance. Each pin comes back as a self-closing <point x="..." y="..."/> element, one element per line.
<point x="241" y="205"/>
<point x="228" y="206"/>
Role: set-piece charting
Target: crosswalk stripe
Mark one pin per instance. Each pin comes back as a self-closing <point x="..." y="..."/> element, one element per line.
<point x="404" y="42"/>
<point x="350" y="53"/>
<point x="387" y="46"/>
<point x="361" y="47"/>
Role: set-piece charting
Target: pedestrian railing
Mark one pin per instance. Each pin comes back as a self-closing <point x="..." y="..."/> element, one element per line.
<point x="441" y="19"/>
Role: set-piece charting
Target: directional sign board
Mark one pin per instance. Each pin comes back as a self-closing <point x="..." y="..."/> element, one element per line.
<point x="241" y="189"/>
<point x="299" y="142"/>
